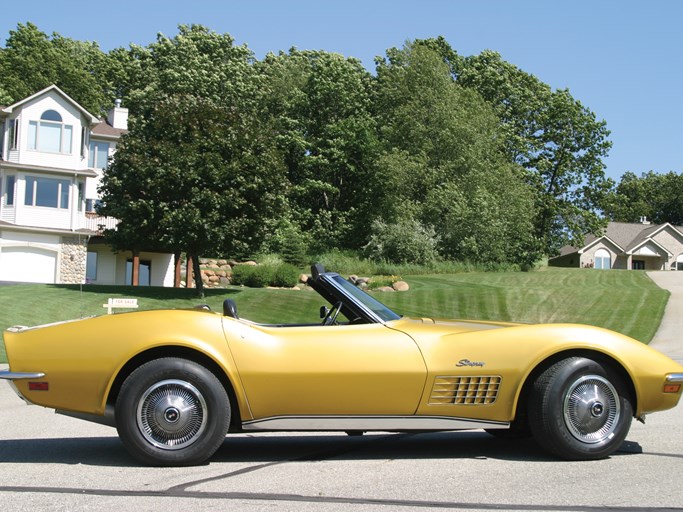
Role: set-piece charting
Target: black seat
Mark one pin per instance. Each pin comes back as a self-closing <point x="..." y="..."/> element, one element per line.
<point x="230" y="308"/>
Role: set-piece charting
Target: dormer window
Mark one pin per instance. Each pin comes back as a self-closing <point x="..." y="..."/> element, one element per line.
<point x="50" y="134"/>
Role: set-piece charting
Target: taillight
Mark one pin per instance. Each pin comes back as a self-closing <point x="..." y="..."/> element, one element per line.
<point x="38" y="386"/>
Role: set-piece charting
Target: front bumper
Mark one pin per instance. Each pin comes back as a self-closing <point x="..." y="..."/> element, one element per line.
<point x="674" y="378"/>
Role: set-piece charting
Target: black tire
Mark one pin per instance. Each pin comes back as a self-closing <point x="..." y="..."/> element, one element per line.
<point x="172" y="412"/>
<point x="580" y="410"/>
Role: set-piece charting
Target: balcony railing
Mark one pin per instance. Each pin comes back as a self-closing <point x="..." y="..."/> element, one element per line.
<point x="98" y="223"/>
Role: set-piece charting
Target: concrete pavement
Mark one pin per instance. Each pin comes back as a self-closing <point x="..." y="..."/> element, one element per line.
<point x="669" y="336"/>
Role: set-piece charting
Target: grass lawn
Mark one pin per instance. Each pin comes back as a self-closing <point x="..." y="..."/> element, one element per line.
<point x="624" y="301"/>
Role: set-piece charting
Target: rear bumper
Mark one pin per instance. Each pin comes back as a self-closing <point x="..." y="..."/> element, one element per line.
<point x="12" y="376"/>
<point x="9" y="375"/>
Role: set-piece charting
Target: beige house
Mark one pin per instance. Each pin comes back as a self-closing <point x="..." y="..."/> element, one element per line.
<point x="633" y="246"/>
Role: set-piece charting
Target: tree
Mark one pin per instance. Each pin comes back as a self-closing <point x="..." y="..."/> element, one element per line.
<point x="32" y="61"/>
<point x="554" y="137"/>
<point x="658" y="197"/>
<point x="327" y="136"/>
<point x="443" y="163"/>
<point x="198" y="172"/>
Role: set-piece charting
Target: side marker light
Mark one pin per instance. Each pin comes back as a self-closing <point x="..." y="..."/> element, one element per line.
<point x="38" y="386"/>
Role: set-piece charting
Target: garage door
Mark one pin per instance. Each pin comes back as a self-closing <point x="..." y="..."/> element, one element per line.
<point x="28" y="265"/>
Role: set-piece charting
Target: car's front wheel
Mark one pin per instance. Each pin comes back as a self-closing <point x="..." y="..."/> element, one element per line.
<point x="580" y="409"/>
<point x="172" y="412"/>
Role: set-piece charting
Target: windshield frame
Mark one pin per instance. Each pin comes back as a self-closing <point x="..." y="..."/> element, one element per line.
<point x="372" y="309"/>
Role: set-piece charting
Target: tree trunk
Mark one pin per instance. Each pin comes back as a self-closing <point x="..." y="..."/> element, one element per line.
<point x="198" y="276"/>
<point x="176" y="270"/>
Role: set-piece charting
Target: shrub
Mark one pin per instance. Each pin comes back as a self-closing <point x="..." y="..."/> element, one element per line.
<point x="285" y="276"/>
<point x="282" y="275"/>
<point x="406" y="241"/>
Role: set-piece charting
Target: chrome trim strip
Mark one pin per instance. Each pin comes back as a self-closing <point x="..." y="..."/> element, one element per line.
<point x="368" y="423"/>
<point x="674" y="377"/>
<point x="108" y="418"/>
<point x="9" y="375"/>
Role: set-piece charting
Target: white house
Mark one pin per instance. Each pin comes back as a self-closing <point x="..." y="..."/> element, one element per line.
<point x="53" y="153"/>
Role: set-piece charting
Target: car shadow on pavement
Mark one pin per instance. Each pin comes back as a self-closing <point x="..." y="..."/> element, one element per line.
<point x="375" y="446"/>
<point x="95" y="451"/>
<point x="108" y="451"/>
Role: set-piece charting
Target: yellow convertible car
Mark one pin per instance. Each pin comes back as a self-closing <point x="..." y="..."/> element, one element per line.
<point x="175" y="382"/>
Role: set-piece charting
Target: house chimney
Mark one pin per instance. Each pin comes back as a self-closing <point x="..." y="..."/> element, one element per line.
<point x="118" y="116"/>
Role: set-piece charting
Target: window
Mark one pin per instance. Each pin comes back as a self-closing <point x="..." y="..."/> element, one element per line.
<point x="13" y="133"/>
<point x="99" y="153"/>
<point x="638" y="265"/>
<point x="81" y="193"/>
<point x="603" y="259"/>
<point x="91" y="205"/>
<point x="9" y="190"/>
<point x="83" y="143"/>
<point x="145" y="270"/>
<point x="91" y="267"/>
<point x="50" y="134"/>
<point x="48" y="192"/>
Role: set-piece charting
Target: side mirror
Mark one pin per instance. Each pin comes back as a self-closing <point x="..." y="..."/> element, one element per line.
<point x="323" y="311"/>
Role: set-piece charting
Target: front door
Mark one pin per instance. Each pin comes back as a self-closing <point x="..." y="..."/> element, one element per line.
<point x="638" y="265"/>
<point x="366" y="369"/>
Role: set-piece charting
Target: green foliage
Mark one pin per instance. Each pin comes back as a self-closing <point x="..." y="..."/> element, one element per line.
<point x="347" y="263"/>
<point x="326" y="133"/>
<point x="406" y="241"/>
<point x="659" y="197"/>
<point x="281" y="275"/>
<point x="32" y="60"/>
<point x="444" y="164"/>
<point x="557" y="140"/>
<point x="198" y="172"/>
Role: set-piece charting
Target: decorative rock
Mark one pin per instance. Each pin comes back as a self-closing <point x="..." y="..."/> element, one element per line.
<point x="224" y="281"/>
<point x="303" y="278"/>
<point x="401" y="286"/>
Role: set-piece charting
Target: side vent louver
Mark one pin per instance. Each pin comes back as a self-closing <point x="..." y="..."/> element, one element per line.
<point x="482" y="390"/>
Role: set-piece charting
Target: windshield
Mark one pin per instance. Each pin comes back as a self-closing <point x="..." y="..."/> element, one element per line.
<point x="379" y="309"/>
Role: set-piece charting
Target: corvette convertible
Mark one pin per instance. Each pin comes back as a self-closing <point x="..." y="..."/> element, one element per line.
<point x="175" y="382"/>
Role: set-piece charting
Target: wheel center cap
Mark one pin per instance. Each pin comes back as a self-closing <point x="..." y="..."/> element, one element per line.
<point x="172" y="415"/>
<point x="597" y="409"/>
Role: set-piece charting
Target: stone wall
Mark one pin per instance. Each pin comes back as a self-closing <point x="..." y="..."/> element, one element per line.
<point x="72" y="262"/>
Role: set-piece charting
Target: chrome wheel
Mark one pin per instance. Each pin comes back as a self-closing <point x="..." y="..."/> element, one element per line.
<point x="580" y="409"/>
<point x="591" y="409"/>
<point x="172" y="414"/>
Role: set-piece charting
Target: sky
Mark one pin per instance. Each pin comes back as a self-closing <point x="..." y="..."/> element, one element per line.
<point x="622" y="59"/>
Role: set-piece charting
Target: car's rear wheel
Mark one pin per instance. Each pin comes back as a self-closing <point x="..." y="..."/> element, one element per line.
<point x="580" y="409"/>
<point x="172" y="412"/>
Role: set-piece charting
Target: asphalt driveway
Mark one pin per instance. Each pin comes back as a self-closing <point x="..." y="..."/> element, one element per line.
<point x="669" y="336"/>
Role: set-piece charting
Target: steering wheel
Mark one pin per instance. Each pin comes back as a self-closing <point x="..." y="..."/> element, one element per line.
<point x="332" y="314"/>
